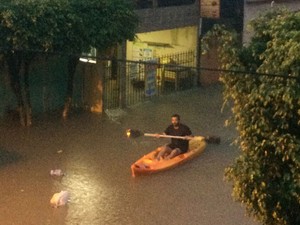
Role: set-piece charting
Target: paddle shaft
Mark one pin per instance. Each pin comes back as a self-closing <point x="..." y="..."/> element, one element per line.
<point x="167" y="136"/>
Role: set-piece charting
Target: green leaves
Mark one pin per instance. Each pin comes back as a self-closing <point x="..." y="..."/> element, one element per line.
<point x="65" y="26"/>
<point x="266" y="112"/>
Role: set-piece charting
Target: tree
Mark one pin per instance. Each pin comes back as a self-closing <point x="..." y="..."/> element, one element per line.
<point x="266" y="113"/>
<point x="34" y="27"/>
<point x="18" y="30"/>
<point x="103" y="24"/>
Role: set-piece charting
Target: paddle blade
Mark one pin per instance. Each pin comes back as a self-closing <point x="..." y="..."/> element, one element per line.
<point x="133" y="133"/>
<point x="213" y="140"/>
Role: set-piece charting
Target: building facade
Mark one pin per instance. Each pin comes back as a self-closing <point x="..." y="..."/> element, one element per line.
<point x="166" y="27"/>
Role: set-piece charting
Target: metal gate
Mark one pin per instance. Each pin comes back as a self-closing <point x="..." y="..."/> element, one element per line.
<point x="129" y="82"/>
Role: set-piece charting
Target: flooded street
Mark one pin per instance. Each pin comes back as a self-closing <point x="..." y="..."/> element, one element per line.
<point x="96" y="157"/>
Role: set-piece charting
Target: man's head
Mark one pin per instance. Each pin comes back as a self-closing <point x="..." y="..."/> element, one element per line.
<point x="175" y="120"/>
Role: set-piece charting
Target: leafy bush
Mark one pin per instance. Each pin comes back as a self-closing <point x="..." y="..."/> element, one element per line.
<point x="266" y="113"/>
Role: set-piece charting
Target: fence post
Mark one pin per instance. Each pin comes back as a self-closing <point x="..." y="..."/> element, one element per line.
<point x="122" y="75"/>
<point x="122" y="85"/>
<point x="199" y="50"/>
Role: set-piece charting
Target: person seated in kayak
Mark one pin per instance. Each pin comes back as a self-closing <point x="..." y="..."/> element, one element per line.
<point x="177" y="146"/>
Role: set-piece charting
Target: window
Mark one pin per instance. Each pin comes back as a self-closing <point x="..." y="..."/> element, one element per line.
<point x="143" y="4"/>
<point x="165" y="3"/>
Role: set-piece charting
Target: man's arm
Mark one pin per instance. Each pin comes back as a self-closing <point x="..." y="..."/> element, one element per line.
<point x="188" y="132"/>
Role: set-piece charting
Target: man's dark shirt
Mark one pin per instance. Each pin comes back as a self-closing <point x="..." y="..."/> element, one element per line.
<point x="182" y="130"/>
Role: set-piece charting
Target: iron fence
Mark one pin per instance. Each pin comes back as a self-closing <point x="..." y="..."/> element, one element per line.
<point x="129" y="82"/>
<point x="125" y="83"/>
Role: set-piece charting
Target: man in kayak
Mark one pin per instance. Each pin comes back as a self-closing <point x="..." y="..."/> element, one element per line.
<point x="177" y="146"/>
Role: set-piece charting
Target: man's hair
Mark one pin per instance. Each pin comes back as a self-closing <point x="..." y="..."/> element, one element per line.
<point x="177" y="116"/>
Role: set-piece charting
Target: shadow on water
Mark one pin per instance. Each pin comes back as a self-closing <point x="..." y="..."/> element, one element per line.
<point x="8" y="157"/>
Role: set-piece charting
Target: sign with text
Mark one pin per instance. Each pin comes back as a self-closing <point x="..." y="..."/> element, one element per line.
<point x="210" y="9"/>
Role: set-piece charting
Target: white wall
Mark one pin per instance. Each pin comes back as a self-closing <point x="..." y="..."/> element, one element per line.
<point x="163" y="42"/>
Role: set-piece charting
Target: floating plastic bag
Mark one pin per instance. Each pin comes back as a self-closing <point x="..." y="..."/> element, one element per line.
<point x="57" y="172"/>
<point x="60" y="199"/>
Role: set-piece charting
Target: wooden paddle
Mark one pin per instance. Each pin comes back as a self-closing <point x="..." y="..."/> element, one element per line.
<point x="137" y="133"/>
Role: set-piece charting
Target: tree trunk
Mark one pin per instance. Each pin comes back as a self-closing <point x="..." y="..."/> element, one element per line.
<point x="72" y="63"/>
<point x="14" y="66"/>
<point x="28" y="108"/>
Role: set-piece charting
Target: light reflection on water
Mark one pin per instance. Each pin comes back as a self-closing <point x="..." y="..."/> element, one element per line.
<point x="89" y="200"/>
<point x="90" y="193"/>
<point x="97" y="159"/>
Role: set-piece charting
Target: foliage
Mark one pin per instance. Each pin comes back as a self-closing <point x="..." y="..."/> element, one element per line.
<point x="69" y="26"/>
<point x="266" y="112"/>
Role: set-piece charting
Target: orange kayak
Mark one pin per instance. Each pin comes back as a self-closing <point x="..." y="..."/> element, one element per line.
<point x="148" y="164"/>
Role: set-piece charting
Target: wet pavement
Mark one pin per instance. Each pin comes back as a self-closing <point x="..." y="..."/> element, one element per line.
<point x="96" y="157"/>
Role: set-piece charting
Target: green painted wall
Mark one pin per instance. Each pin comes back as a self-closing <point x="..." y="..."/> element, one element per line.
<point x="48" y="81"/>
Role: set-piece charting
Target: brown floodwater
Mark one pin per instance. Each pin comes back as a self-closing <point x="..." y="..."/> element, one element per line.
<point x="96" y="156"/>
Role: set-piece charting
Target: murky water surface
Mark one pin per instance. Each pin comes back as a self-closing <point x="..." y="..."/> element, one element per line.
<point x="96" y="157"/>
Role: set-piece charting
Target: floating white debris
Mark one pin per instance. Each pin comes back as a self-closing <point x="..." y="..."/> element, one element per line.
<point x="60" y="199"/>
<point x="57" y="172"/>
